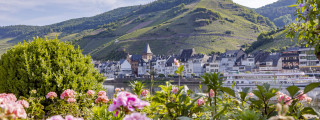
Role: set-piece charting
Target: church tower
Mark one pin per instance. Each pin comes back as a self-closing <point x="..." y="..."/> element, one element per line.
<point x="147" y="54"/>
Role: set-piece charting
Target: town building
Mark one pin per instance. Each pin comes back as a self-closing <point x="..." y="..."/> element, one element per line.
<point x="290" y="58"/>
<point x="308" y="61"/>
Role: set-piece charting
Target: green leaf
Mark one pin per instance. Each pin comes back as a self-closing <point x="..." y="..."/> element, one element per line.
<point x="217" y="115"/>
<point x="228" y="90"/>
<point x="244" y="93"/>
<point x="310" y="87"/>
<point x="295" y="5"/>
<point x="292" y="90"/>
<point x="182" y="98"/>
<point x="309" y="110"/>
<point x="233" y="84"/>
<point x="171" y="105"/>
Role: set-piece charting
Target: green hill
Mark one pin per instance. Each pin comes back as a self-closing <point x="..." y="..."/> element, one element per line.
<point x="272" y="41"/>
<point x="167" y="25"/>
<point x="279" y="12"/>
<point x="206" y="25"/>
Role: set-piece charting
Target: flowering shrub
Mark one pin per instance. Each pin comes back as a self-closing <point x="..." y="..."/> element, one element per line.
<point x="171" y="102"/>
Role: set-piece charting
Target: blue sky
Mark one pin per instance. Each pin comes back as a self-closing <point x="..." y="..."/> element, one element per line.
<point x="44" y="12"/>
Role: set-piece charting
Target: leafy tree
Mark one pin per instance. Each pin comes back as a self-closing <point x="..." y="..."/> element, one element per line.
<point x="308" y="24"/>
<point x="47" y="65"/>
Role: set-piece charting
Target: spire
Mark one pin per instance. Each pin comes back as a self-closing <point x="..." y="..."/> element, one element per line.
<point x="147" y="49"/>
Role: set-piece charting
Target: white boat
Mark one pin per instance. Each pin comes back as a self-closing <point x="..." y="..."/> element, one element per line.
<point x="283" y="79"/>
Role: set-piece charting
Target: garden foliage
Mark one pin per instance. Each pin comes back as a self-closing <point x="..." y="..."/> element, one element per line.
<point x="47" y="65"/>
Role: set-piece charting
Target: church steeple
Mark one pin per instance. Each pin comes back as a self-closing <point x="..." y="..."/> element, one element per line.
<point x="147" y="49"/>
<point x="147" y="54"/>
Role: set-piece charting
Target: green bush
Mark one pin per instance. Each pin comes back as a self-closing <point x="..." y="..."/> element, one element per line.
<point x="47" y="65"/>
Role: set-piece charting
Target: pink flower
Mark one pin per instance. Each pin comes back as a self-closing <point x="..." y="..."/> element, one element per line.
<point x="200" y="102"/>
<point x="176" y="62"/>
<point x="103" y="99"/>
<point x="6" y="98"/>
<point x="69" y="117"/>
<point x="128" y="101"/>
<point x="56" y="117"/>
<point x="302" y="97"/>
<point x="51" y="95"/>
<point x="211" y="93"/>
<point x="308" y="99"/>
<point x="144" y="93"/>
<point x="102" y="93"/>
<point x="122" y="89"/>
<point x="286" y="98"/>
<point x="136" y="116"/>
<point x="90" y="92"/>
<point x="71" y="100"/>
<point x="23" y="103"/>
<point x="117" y="89"/>
<point x="67" y="94"/>
<point x="174" y="90"/>
<point x="250" y="94"/>
<point x="15" y="109"/>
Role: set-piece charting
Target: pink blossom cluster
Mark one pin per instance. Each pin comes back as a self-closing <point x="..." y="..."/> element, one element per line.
<point x="90" y="93"/>
<point x="68" y="117"/>
<point x="51" y="95"/>
<point x="102" y="93"/>
<point x="13" y="108"/>
<point x="250" y="95"/>
<point x="174" y="90"/>
<point x="200" y="102"/>
<point x="24" y="103"/>
<point x="67" y="94"/>
<point x="176" y="62"/>
<point x="144" y="93"/>
<point x="128" y="101"/>
<point x="284" y="97"/>
<point x="136" y="116"/>
<point x="102" y="97"/>
<point x="304" y="97"/>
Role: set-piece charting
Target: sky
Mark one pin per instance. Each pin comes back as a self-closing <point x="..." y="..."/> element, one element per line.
<point x="45" y="12"/>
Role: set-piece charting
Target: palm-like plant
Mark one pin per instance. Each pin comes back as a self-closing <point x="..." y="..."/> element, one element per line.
<point x="214" y="81"/>
<point x="137" y="87"/>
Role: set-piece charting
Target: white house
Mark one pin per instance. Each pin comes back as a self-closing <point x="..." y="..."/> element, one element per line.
<point x="125" y="69"/>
